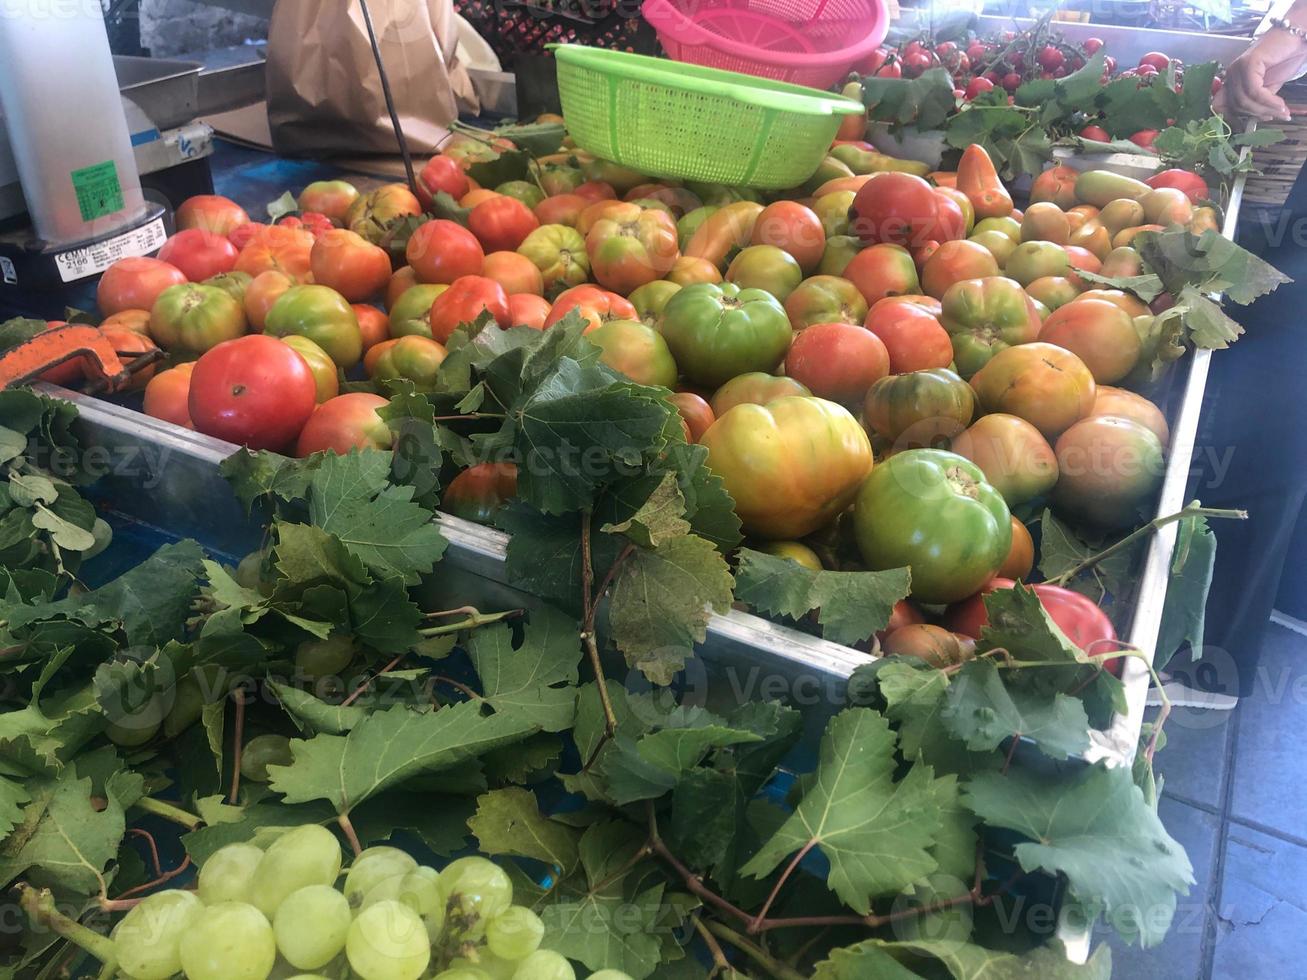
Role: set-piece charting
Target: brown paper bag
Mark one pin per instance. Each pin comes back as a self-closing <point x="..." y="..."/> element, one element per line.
<point x="324" y="92"/>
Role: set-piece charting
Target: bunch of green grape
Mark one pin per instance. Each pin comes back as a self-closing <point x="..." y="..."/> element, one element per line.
<point x="258" y="914"/>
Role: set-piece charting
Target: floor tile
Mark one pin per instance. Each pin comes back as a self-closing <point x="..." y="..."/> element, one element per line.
<point x="1180" y="956"/>
<point x="1262" y="912"/>
<point x="1270" y="769"/>
<point x="1194" y="762"/>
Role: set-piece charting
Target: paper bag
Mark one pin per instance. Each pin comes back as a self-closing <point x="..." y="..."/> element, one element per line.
<point x="324" y="91"/>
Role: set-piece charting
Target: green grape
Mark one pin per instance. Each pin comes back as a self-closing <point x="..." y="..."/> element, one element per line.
<point x="545" y="964"/>
<point x="488" y="963"/>
<point x="387" y="941"/>
<point x="187" y="702"/>
<point x="226" y="876"/>
<point x="137" y="728"/>
<point x="417" y="890"/>
<point x="307" y="976"/>
<point x="372" y="867"/>
<point x="311" y="925"/>
<point x="307" y="855"/>
<point x="610" y="975"/>
<point x="325" y="658"/>
<point x="464" y="973"/>
<point x="149" y="936"/>
<point x="228" y="941"/>
<point x="250" y="572"/>
<point x="514" y="933"/>
<point x="475" y="891"/>
<point x="263" y="751"/>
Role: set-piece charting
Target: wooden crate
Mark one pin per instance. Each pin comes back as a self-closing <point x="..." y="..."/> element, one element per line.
<point x="1280" y="163"/>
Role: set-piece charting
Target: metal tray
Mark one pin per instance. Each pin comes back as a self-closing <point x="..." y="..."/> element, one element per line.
<point x="163" y="89"/>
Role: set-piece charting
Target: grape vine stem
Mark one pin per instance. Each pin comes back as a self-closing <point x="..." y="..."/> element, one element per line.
<point x="169" y="812"/>
<point x="350" y="834"/>
<point x="41" y="909"/>
<point x="590" y="605"/>
<point x="720" y="963"/>
<point x="238" y="742"/>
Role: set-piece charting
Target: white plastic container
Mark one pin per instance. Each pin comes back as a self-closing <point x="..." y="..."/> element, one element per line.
<point x="65" y="120"/>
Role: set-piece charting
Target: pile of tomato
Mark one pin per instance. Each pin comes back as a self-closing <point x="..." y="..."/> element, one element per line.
<point x="901" y="361"/>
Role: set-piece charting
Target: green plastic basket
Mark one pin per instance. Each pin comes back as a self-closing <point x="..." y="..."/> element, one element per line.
<point x="671" y="119"/>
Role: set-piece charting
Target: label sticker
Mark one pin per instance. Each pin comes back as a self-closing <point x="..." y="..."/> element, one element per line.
<point x="98" y="190"/>
<point x="7" y="271"/>
<point x="78" y="263"/>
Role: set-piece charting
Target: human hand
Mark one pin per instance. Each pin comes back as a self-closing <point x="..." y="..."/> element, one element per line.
<point x="1253" y="79"/>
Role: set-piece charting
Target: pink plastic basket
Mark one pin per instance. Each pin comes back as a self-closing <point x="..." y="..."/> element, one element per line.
<point x="807" y="42"/>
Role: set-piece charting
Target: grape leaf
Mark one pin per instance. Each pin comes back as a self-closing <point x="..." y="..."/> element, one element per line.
<point x="852" y="605"/>
<point x="536" y="683"/>
<point x="1208" y="262"/>
<point x="258" y="823"/>
<point x="1061" y="549"/>
<point x="964" y="961"/>
<point x="388" y="747"/>
<point x="707" y="813"/>
<point x="524" y="762"/>
<point x="12" y="797"/>
<point x="869" y="958"/>
<point x="1208" y="325"/>
<point x="659" y="518"/>
<point x="63" y="841"/>
<point x="925" y="101"/>
<point x="351" y="497"/>
<point x="45" y="735"/>
<point x="1094" y="826"/>
<point x="63" y="533"/>
<point x="506" y="165"/>
<point x="1127" y="108"/>
<point x="26" y="490"/>
<point x="1147" y="286"/>
<point x="12" y="444"/>
<point x="709" y="508"/>
<point x="635" y="714"/>
<point x="538" y="139"/>
<point x="662" y="600"/>
<point x="509" y="821"/>
<point x="384" y="617"/>
<point x="1186" y="590"/>
<point x="1019" y="625"/>
<point x="875" y="834"/>
<point x="1196" y="96"/>
<point x="984" y="713"/>
<point x="254" y="475"/>
<point x="438" y="820"/>
<point x="313" y="715"/>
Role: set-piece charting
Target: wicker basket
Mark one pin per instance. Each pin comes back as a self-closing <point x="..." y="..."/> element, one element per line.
<point x="1280" y="163"/>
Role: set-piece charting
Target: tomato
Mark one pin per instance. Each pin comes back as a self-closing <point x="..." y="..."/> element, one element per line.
<point x="920" y="409"/>
<point x="254" y="391"/>
<point x="1047" y="386"/>
<point x="134" y="284"/>
<point x="630" y="246"/>
<point x="326" y="376"/>
<point x="1100" y="333"/>
<point x="242" y="235"/>
<point x="718" y="331"/>
<point x="416" y="359"/>
<point x="515" y="272"/>
<point x="466" y="299"/>
<point x="903" y="614"/>
<point x="765" y="267"/>
<point x="194" y="317"/>
<point x="1056" y="185"/>
<point x="754" y="388"/>
<point x="1052" y="292"/>
<point x="595" y="190"/>
<point x="564" y="209"/>
<point x="838" y="361"/>
<point x="951" y="222"/>
<point x="374" y="327"/>
<point x="721" y="231"/>
<point x="833" y="212"/>
<point x="559" y="253"/>
<point x="595" y="305"/>
<point x="882" y="270"/>
<point x="793" y="227"/>
<point x="1035" y="260"/>
<point x="825" y="299"/>
<point x="620" y="179"/>
<point x="1167" y="206"/>
<point x="677" y="200"/>
<point x="911" y="333"/>
<point x="1144" y="138"/>
<point x="1097" y="133"/>
<point x="441" y="251"/>
<point x="373" y="354"/>
<point x="344" y="423"/>
<point x="280" y="249"/>
<point x="985" y="316"/>
<point x="502" y="223"/>
<point x="976" y="86"/>
<point x="687" y="270"/>
<point x="954" y="262"/>
<point x="477" y="196"/>
<point x="791" y="466"/>
<point x="331" y="198"/>
<point x="137" y="321"/>
<point x="934" y="512"/>
<point x="1156" y="60"/>
<point x="527" y="310"/>
<point x="998" y="244"/>
<point x="349" y="264"/>
<point x="211" y="212"/>
<point x="935" y="645"/>
<point x="1016" y="459"/>
<point x="1110" y="469"/>
<point x="795" y="551"/>
<point x="636" y="351"/>
<point x="199" y="254"/>
<point x="1021" y="556"/>
<point x="1044" y="221"/>
<point x="559" y="179"/>
<point x="372" y="214"/>
<point x="401" y="281"/>
<point x="129" y="345"/>
<point x="234" y="283"/>
<point x="964" y="204"/>
<point x="1193" y="186"/>
<point x="167" y="395"/>
<point x="479" y="491"/>
<point x="695" y="412"/>
<point x="1127" y="404"/>
<point x="442" y="174"/>
<point x="895" y="207"/>
<point x="321" y="314"/>
<point x="264" y="290"/>
<point x="1076" y="615"/>
<point x="650" y="300"/>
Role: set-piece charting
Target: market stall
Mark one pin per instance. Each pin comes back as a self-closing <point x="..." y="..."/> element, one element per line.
<point x="730" y="528"/>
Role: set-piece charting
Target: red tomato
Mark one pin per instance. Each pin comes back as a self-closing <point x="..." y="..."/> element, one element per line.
<point x="167" y="395"/>
<point x="212" y="212"/>
<point x="515" y="272"/>
<point x="895" y="207"/>
<point x="374" y="325"/>
<point x="465" y="300"/>
<point x="242" y="235"/>
<point x="596" y="305"/>
<point x="343" y="423"/>
<point x="349" y="264"/>
<point x="329" y="198"/>
<point x="1194" y="187"/>
<point x="279" y="248"/>
<point x="400" y="282"/>
<point x="199" y="253"/>
<point x="502" y="223"/>
<point x="696" y="413"/>
<point x="1091" y="44"/>
<point x="911" y="333"/>
<point x="561" y="209"/>
<point x="596" y="190"/>
<point x="976" y="86"/>
<point x="837" y="361"/>
<point x="442" y="251"/>
<point x="793" y="228"/>
<point x="314" y="222"/>
<point x="480" y="490"/>
<point x="262" y="293"/>
<point x="134" y="284"/>
<point x="528" y="310"/>
<point x="1144" y="138"/>
<point x="1156" y="60"/>
<point x="441" y="173"/>
<point x="1096" y="133"/>
<point x="253" y="391"/>
<point x="903" y="614"/>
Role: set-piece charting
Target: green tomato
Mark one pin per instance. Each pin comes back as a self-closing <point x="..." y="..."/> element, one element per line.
<point x="635" y="350"/>
<point x="985" y="316"/>
<point x="717" y="330"/>
<point x="324" y="316"/>
<point x="651" y="299"/>
<point x="934" y="512"/>
<point x="411" y="313"/>
<point x="525" y="191"/>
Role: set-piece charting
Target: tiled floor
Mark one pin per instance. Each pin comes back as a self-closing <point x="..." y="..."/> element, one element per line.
<point x="1235" y="796"/>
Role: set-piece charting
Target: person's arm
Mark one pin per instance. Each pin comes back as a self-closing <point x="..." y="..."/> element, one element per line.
<point x="1253" y="79"/>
